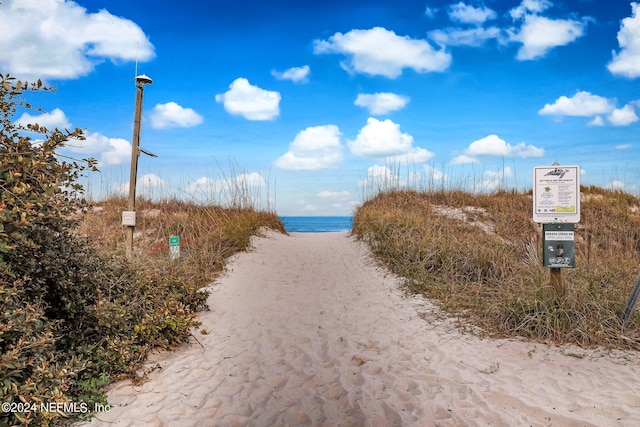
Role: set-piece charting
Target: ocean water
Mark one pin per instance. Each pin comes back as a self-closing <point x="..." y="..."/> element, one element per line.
<point x="315" y="224"/>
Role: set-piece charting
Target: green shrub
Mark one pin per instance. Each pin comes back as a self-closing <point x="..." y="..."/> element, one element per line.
<point x="69" y="314"/>
<point x="30" y="371"/>
<point x="75" y="314"/>
<point x="38" y="195"/>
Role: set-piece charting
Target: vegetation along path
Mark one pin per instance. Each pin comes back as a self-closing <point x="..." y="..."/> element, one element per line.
<point x="305" y="329"/>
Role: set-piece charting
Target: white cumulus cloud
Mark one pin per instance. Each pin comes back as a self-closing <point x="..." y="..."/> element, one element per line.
<point x="55" y="119"/>
<point x="582" y="104"/>
<point x="529" y="7"/>
<point x="435" y="175"/>
<point x="494" y="180"/>
<point x="469" y="14"/>
<point x="314" y="148"/>
<point x="249" y="101"/>
<point x="469" y="29"/>
<point x="539" y="34"/>
<point x="431" y="12"/>
<point x="295" y="74"/>
<point x="626" y="62"/>
<point x="253" y="179"/>
<point x="464" y="158"/>
<point x="616" y="185"/>
<point x="59" y="39"/>
<point x="384" y="139"/>
<point x="413" y="156"/>
<point x="381" y="103"/>
<point x="475" y="36"/>
<point x="596" y="121"/>
<point x="493" y="145"/>
<point x="381" y="139"/>
<point x="229" y="189"/>
<point x="381" y="52"/>
<point x="623" y="116"/>
<point x="171" y="115"/>
<point x="380" y="177"/>
<point x="202" y="186"/>
<point x="108" y="151"/>
<point x="148" y="185"/>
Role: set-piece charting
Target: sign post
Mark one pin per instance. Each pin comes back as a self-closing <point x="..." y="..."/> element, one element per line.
<point x="174" y="247"/>
<point x="556" y="204"/>
<point x="558" y="252"/>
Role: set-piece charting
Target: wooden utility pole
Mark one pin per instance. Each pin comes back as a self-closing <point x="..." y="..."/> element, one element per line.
<point x="141" y="80"/>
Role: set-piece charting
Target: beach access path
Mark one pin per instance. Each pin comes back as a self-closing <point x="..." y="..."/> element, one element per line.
<point x="306" y="329"/>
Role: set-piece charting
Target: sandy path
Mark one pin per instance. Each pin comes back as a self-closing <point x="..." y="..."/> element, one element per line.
<point x="305" y="330"/>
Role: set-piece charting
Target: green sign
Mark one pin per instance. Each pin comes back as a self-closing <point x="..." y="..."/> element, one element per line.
<point x="558" y="245"/>
<point x="174" y="247"/>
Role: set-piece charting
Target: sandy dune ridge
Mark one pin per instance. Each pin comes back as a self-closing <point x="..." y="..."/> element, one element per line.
<point x="306" y="330"/>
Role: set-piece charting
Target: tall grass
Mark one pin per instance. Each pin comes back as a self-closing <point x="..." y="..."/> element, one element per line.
<point x="478" y="256"/>
<point x="209" y="234"/>
<point x="214" y="219"/>
<point x="231" y="187"/>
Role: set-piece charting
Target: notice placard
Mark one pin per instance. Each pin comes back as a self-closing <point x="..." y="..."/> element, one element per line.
<point x="558" y="245"/>
<point x="556" y="194"/>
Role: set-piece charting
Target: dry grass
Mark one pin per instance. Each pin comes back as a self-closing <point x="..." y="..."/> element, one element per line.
<point x="479" y="256"/>
<point x="209" y="234"/>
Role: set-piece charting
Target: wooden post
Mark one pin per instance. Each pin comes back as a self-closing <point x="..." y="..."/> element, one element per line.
<point x="589" y="251"/>
<point x="135" y="153"/>
<point x="555" y="277"/>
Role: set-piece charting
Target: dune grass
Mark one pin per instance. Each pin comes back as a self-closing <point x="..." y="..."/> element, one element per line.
<point x="208" y="233"/>
<point x="479" y="257"/>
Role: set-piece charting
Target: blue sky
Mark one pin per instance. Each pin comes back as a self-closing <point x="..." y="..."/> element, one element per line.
<point x="313" y="105"/>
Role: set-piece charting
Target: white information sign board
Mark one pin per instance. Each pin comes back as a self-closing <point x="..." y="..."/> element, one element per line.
<point x="556" y="194"/>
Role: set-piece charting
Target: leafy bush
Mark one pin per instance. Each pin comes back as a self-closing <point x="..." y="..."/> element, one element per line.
<point x="75" y="314"/>
<point x="29" y="368"/>
<point x="37" y="196"/>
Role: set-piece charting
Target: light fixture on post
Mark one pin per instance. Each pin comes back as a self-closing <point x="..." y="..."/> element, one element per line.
<point x="129" y="216"/>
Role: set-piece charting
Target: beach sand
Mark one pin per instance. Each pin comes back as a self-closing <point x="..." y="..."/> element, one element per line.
<point x="306" y="330"/>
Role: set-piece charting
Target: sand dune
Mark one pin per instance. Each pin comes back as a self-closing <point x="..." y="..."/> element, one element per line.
<point x="306" y="330"/>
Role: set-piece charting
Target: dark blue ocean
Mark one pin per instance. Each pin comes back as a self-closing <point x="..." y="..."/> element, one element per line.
<point x="315" y="224"/>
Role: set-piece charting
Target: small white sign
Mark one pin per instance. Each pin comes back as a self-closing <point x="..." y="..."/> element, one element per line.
<point x="129" y="218"/>
<point x="556" y="194"/>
